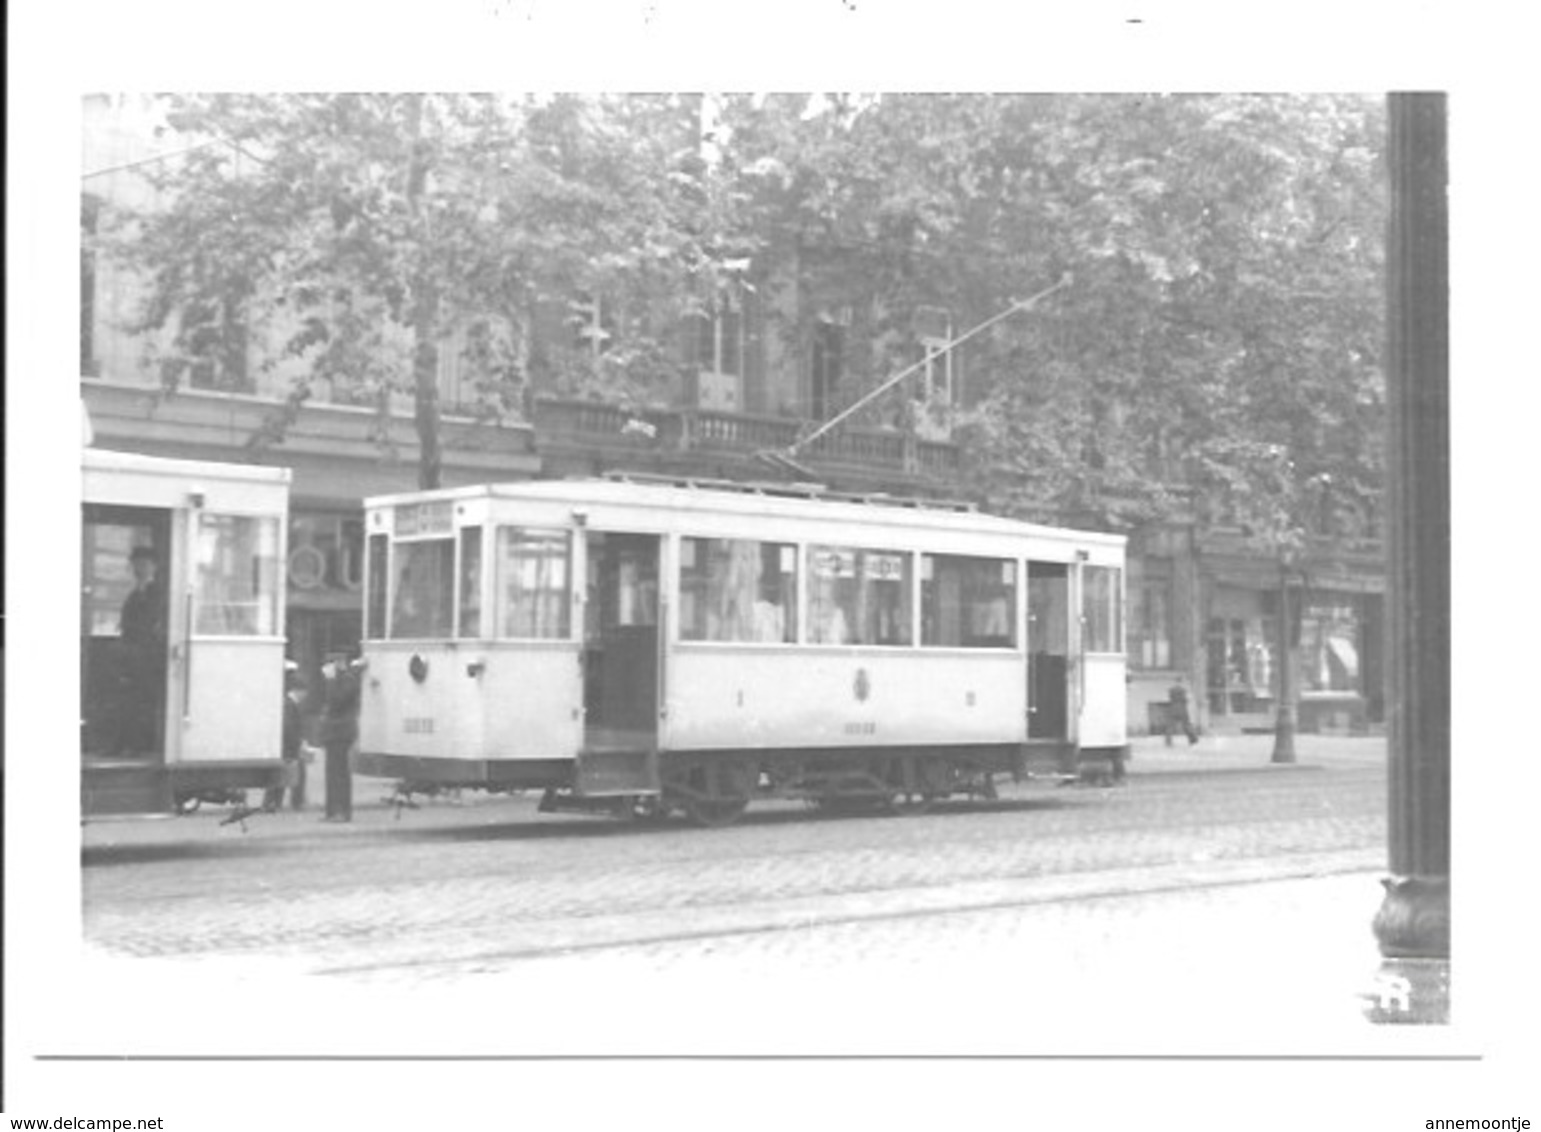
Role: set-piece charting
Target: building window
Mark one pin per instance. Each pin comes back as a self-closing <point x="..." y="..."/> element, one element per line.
<point x="828" y="367"/>
<point x="593" y="323"/>
<point x="934" y="329"/>
<point x="534" y="572"/>
<point x="1241" y="663"/>
<point x="723" y="349"/>
<point x="1150" y="621"/>
<point x="720" y="338"/>
<point x="967" y="602"/>
<point x="859" y="597"/>
<point x="737" y="590"/>
<point x="1329" y="648"/>
<point x="215" y="339"/>
<point x="1100" y="609"/>
<point x="325" y="552"/>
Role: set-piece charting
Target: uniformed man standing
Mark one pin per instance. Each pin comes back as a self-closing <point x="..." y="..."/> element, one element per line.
<point x="339" y="731"/>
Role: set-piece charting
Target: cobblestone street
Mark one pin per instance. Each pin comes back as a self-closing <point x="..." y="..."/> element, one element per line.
<point x="1146" y="904"/>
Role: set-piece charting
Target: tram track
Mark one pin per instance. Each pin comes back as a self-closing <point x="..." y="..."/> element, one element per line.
<point x="602" y="935"/>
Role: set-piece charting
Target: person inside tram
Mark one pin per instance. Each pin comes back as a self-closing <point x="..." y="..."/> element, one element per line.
<point x="142" y="627"/>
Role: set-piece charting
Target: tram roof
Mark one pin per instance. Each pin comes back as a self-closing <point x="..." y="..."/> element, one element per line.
<point x="772" y="499"/>
<point x="106" y="459"/>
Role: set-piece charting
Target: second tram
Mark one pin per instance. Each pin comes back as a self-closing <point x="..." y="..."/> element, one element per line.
<point x="656" y="647"/>
<point x="181" y="634"/>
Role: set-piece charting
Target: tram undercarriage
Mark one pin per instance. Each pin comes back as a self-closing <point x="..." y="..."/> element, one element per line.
<point x="714" y="788"/>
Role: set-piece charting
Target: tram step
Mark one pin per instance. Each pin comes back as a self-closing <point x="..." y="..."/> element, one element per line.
<point x="123" y="790"/>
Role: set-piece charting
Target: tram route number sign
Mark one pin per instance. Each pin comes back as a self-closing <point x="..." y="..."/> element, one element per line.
<point x="417" y="724"/>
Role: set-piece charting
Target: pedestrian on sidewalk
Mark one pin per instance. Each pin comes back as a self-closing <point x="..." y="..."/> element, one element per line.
<point x="293" y="739"/>
<point x="1177" y="712"/>
<point x="339" y="732"/>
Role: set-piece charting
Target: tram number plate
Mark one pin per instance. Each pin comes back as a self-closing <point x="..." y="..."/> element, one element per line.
<point x="418" y="725"/>
<point x="868" y="728"/>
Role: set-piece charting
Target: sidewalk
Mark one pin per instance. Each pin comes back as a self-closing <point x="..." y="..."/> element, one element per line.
<point x="1149" y="754"/>
<point x="373" y="812"/>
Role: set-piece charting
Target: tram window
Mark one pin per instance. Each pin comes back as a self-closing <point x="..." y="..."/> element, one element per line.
<point x="425" y="584"/>
<point x="967" y="602"/>
<point x="737" y="590"/>
<point x="236" y="586"/>
<point x="1101" y="609"/>
<point x="379" y="573"/>
<point x="470" y="582"/>
<point x="858" y="596"/>
<point x="534" y="575"/>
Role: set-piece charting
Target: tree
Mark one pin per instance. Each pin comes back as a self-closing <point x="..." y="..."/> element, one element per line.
<point x="352" y="233"/>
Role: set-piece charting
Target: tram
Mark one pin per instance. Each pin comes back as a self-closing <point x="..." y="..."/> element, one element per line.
<point x="181" y="632"/>
<point x="653" y="647"/>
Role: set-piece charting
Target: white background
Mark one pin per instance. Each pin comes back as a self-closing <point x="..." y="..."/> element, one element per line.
<point x="60" y="50"/>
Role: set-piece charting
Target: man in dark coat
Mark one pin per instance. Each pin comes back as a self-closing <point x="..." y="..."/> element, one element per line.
<point x="142" y="625"/>
<point x="339" y="731"/>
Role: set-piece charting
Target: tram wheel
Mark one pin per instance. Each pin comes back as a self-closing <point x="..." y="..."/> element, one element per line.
<point x="920" y="783"/>
<point x="715" y="813"/>
<point x="716" y="792"/>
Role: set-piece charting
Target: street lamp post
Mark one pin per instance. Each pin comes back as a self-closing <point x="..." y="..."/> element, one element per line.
<point x="1412" y="926"/>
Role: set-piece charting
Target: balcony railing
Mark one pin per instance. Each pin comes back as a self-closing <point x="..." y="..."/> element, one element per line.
<point x="711" y="432"/>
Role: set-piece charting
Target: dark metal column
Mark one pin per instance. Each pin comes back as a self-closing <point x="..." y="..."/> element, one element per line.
<point x="1413" y="924"/>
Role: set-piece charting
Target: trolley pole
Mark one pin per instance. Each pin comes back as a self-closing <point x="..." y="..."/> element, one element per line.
<point x="1412" y="926"/>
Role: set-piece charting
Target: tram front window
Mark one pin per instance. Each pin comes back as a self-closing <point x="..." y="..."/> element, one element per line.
<point x="425" y="589"/>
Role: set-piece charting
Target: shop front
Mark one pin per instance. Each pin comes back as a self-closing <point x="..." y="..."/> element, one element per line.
<point x="1337" y="656"/>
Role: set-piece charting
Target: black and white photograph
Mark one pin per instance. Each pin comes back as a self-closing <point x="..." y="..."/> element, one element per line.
<point x="657" y="593"/>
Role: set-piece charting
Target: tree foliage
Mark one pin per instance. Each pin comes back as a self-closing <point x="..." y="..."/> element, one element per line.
<point x="1222" y="333"/>
<point x="1224" y="328"/>
<point x="356" y="233"/>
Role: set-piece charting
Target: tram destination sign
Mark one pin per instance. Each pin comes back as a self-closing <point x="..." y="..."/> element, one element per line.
<point x="435" y="518"/>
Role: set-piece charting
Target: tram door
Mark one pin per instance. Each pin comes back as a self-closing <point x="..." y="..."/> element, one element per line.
<point x="124" y="630"/>
<point x="621" y="642"/>
<point x="1048" y="657"/>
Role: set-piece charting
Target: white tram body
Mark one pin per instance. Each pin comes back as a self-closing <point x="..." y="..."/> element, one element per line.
<point x="183" y="700"/>
<point x="699" y="645"/>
